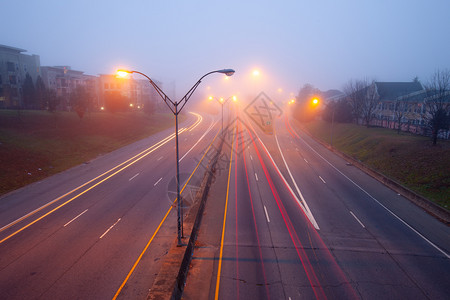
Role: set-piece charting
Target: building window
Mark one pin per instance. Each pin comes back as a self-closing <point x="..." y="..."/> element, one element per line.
<point x="10" y="66"/>
<point x="12" y="79"/>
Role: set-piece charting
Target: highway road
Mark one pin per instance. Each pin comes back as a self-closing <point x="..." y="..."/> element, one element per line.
<point x="294" y="221"/>
<point x="99" y="230"/>
<point x="299" y="222"/>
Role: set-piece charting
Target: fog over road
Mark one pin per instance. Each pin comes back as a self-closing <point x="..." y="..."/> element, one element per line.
<point x="294" y="221"/>
<point x="302" y="223"/>
<point x="78" y="234"/>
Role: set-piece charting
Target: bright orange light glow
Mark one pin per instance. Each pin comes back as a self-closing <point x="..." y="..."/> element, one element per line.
<point x="221" y="100"/>
<point x="122" y="73"/>
<point x="234" y="98"/>
<point x="315" y="101"/>
<point x="255" y="73"/>
<point x="131" y="105"/>
<point x="210" y="98"/>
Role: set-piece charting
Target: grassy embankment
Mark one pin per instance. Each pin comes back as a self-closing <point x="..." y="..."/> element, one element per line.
<point x="37" y="144"/>
<point x="408" y="159"/>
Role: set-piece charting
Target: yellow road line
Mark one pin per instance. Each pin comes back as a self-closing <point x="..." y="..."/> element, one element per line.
<point x="163" y="141"/>
<point x="160" y="224"/>
<point x="151" y="149"/>
<point x="142" y="254"/>
<point x="85" y="191"/>
<point x="219" y="267"/>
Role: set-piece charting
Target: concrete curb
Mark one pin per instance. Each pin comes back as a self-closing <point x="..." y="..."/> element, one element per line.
<point x="182" y="273"/>
<point x="169" y="283"/>
<point x="430" y="207"/>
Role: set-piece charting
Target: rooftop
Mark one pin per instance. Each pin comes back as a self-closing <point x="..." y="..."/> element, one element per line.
<point x="393" y="90"/>
<point x="11" y="49"/>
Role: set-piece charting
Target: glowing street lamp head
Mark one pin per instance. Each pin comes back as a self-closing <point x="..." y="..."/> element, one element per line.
<point x="255" y="73"/>
<point x="210" y="98"/>
<point x="123" y="73"/>
<point x="315" y="101"/>
<point x="221" y="100"/>
<point x="234" y="98"/>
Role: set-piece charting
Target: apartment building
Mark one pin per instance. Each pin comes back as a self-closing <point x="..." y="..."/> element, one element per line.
<point x="14" y="66"/>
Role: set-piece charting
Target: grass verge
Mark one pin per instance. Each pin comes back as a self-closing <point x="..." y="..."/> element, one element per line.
<point x="37" y="144"/>
<point x="408" y="159"/>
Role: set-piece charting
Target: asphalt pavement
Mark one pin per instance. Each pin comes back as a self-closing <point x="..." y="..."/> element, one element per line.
<point x="286" y="218"/>
<point x="99" y="230"/>
<point x="289" y="219"/>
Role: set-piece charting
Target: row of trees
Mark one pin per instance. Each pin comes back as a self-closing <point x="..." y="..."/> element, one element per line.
<point x="38" y="96"/>
<point x="80" y="100"/>
<point x="360" y="101"/>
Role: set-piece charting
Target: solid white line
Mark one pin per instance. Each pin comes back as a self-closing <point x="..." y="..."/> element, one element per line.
<point x="303" y="203"/>
<point x="157" y="182"/>
<point x="304" y="208"/>
<point x="133" y="160"/>
<point x="206" y="132"/>
<point x="134" y="177"/>
<point x="256" y="175"/>
<point x="199" y="120"/>
<point x="267" y="215"/>
<point x="322" y="179"/>
<point x="357" y="219"/>
<point x="159" y="158"/>
<point x="373" y="198"/>
<point x="110" y="228"/>
<point x="75" y="218"/>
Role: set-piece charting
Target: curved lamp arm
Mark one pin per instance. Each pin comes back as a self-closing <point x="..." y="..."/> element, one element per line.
<point x="228" y="72"/>
<point x="167" y="100"/>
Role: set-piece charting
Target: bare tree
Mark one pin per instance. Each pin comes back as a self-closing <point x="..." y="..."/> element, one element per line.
<point x="401" y="108"/>
<point x="80" y="100"/>
<point x="437" y="103"/>
<point x="353" y="90"/>
<point x="363" y="98"/>
<point x="370" y="101"/>
<point x="51" y="100"/>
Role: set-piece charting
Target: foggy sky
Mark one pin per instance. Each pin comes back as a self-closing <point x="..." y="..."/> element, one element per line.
<point x="324" y="42"/>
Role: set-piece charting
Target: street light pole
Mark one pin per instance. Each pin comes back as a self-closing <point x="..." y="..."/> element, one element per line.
<point x="222" y="103"/>
<point x="179" y="200"/>
<point x="222" y="115"/>
<point x="173" y="106"/>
